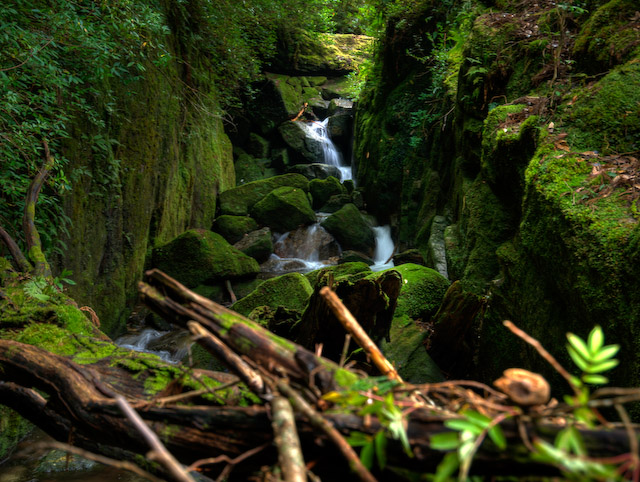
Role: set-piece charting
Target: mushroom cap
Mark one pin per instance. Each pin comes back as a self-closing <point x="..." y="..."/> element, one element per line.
<point x="524" y="387"/>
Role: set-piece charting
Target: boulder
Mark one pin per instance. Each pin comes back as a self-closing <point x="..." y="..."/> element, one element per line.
<point x="256" y="244"/>
<point x="258" y="146"/>
<point x="322" y="189"/>
<point x="351" y="256"/>
<point x="409" y="256"/>
<point x="284" y="209"/>
<point x="249" y="169"/>
<point x="351" y="229"/>
<point x="291" y="290"/>
<point x="233" y="228"/>
<point x="199" y="255"/>
<point x="340" y="106"/>
<point x="310" y="243"/>
<point x="315" y="171"/>
<point x="280" y="158"/>
<point x="339" y="271"/>
<point x="339" y="128"/>
<point x="306" y="148"/>
<point x="240" y="200"/>
<point x="335" y="203"/>
<point x="422" y="291"/>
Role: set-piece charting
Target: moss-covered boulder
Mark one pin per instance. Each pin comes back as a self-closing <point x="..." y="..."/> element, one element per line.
<point x="199" y="255"/>
<point x="322" y="189"/>
<point x="249" y="168"/>
<point x="315" y="170"/>
<point x="336" y="202"/>
<point x="284" y="209"/>
<point x="351" y="229"/>
<point x="233" y="228"/>
<point x="258" y="146"/>
<point x="291" y="290"/>
<point x="339" y="271"/>
<point x="239" y="201"/>
<point x="257" y="244"/>
<point x="422" y="291"/>
<point x="406" y="350"/>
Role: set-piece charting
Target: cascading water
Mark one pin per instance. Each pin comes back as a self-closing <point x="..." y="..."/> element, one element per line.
<point x="384" y="248"/>
<point x="317" y="130"/>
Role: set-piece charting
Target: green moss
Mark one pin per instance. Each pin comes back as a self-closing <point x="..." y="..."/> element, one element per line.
<point x="422" y="291"/>
<point x="233" y="228"/>
<point x="13" y="428"/>
<point x="350" y="229"/>
<point x="608" y="37"/>
<point x="284" y="209"/>
<point x="291" y="290"/>
<point x="338" y="272"/>
<point x="605" y="117"/>
<point x="198" y="255"/>
<point x="322" y="189"/>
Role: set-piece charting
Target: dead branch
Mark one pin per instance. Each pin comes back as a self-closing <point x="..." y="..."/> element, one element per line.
<point x="19" y="260"/>
<point x="159" y="452"/>
<point x="287" y="441"/>
<point x="353" y="327"/>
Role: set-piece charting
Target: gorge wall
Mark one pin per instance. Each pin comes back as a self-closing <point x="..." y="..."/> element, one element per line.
<point x="510" y="136"/>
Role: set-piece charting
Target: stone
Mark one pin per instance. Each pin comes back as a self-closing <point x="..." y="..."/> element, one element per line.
<point x="437" y="251"/>
<point x="351" y="256"/>
<point x="284" y="209"/>
<point x="296" y="136"/>
<point x="322" y="189"/>
<point x="257" y="244"/>
<point x="335" y="203"/>
<point x="351" y="229"/>
<point x="240" y="200"/>
<point x="258" y="146"/>
<point x="340" y="106"/>
<point x="311" y="242"/>
<point x="291" y="290"/>
<point x="339" y="127"/>
<point x="233" y="228"/>
<point x="409" y="256"/>
<point x="198" y="255"/>
<point x="315" y="171"/>
<point x="280" y="158"/>
<point x="422" y="291"/>
<point x="339" y="271"/>
<point x="249" y="169"/>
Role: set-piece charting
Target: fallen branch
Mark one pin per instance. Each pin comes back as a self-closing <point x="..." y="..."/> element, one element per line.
<point x="286" y="439"/>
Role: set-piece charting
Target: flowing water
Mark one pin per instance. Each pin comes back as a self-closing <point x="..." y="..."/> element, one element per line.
<point x="317" y="130"/>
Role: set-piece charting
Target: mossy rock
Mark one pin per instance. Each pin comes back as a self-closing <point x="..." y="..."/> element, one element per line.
<point x="406" y="350"/>
<point x="305" y="148"/>
<point x="351" y="256"/>
<point x="233" y="228"/>
<point x="280" y="321"/>
<point x="257" y="244"/>
<point x="198" y="255"/>
<point x="239" y="201"/>
<point x="605" y="116"/>
<point x="336" y="202"/>
<point x="422" y="291"/>
<point x="322" y="189"/>
<point x="284" y="209"/>
<point x="291" y="290"/>
<point x="258" y="146"/>
<point x="249" y="169"/>
<point x="608" y="37"/>
<point x="315" y="170"/>
<point x="339" y="271"/>
<point x="350" y="229"/>
<point x="219" y="293"/>
<point x="289" y="94"/>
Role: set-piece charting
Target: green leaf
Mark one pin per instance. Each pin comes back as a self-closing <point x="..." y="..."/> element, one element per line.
<point x="358" y="439"/>
<point x="577" y="359"/>
<point x="381" y="449"/>
<point x="444" y="441"/>
<point x="497" y="436"/>
<point x="366" y="455"/>
<point x="603" y="366"/>
<point x="595" y="379"/>
<point x="477" y="418"/>
<point x="447" y="467"/>
<point x="579" y="345"/>
<point x="595" y="340"/>
<point x="462" y="425"/>
<point x="605" y="353"/>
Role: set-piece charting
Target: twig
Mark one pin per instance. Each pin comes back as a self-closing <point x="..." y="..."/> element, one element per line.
<point x="359" y="335"/>
<point x="195" y="393"/>
<point x="345" y="349"/>
<point x="542" y="351"/>
<point x="287" y="440"/>
<point x="318" y="421"/>
<point x="33" y="52"/>
<point x="232" y="295"/>
<point x="225" y="458"/>
<point x="159" y="452"/>
<point x="101" y="459"/>
<point x="213" y="344"/>
<point x="633" y="441"/>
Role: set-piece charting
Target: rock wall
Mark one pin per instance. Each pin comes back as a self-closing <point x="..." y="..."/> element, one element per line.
<point x="504" y="131"/>
<point x="162" y="176"/>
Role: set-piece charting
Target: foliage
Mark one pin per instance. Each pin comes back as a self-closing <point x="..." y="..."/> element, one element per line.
<point x="43" y="289"/>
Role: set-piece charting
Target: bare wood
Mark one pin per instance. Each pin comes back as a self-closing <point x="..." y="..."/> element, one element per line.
<point x="232" y="295"/>
<point x="360" y="336"/>
<point x="287" y="441"/>
<point x="213" y="344"/>
<point x="32" y="237"/>
<point x="159" y="452"/>
<point x="20" y="261"/>
<point x="318" y="421"/>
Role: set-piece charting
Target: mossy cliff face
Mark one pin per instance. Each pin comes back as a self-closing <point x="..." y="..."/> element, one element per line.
<point x="161" y="174"/>
<point x="503" y="133"/>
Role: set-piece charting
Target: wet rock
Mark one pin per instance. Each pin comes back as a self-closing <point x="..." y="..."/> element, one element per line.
<point x="351" y="229"/>
<point x="340" y="106"/>
<point x="233" y="228"/>
<point x="339" y="271"/>
<point x="240" y="200"/>
<point x="291" y="290"/>
<point x="276" y="265"/>
<point x="437" y="250"/>
<point x="284" y="209"/>
<point x="409" y="256"/>
<point x="306" y="148"/>
<point x="310" y="243"/>
<point x="339" y="128"/>
<point x="351" y="256"/>
<point x="322" y="189"/>
<point x="256" y="244"/>
<point x="199" y="255"/>
<point x="315" y="171"/>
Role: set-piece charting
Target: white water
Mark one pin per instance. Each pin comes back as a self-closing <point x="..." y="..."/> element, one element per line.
<point x="141" y="341"/>
<point x="318" y="131"/>
<point x="384" y="248"/>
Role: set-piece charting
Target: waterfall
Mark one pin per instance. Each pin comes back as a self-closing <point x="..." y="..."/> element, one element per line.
<point x="149" y="340"/>
<point x="317" y="130"/>
<point x="384" y="248"/>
